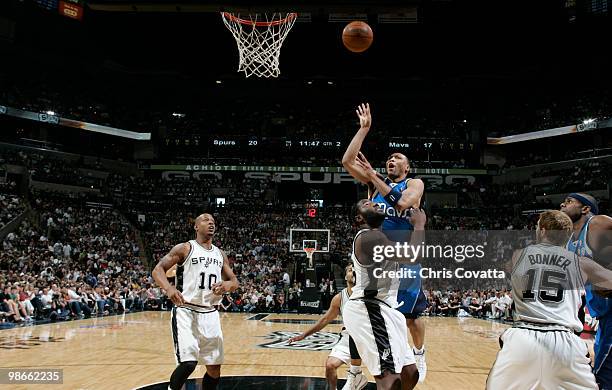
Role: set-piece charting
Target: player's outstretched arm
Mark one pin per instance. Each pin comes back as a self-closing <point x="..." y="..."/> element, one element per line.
<point x="349" y="160"/>
<point x="330" y="314"/>
<point x="176" y="256"/>
<point x="230" y="281"/>
<point x="600" y="277"/>
<point x="418" y="219"/>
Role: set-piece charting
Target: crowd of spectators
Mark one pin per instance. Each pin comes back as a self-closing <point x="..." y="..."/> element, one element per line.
<point x="78" y="259"/>
<point x="11" y="204"/>
<point x="490" y="304"/>
<point x="74" y="262"/>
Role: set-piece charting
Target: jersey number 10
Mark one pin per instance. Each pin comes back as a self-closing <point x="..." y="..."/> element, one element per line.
<point x="212" y="279"/>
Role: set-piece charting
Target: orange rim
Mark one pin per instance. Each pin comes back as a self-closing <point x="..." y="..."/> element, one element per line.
<point x="233" y="18"/>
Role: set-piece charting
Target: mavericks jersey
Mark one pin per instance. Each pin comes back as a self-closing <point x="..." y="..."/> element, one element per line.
<point x="394" y="220"/>
<point x="599" y="307"/>
<point x="547" y="287"/>
<point x="395" y="227"/>
<point x="579" y="245"/>
<point x="368" y="285"/>
<point x="200" y="270"/>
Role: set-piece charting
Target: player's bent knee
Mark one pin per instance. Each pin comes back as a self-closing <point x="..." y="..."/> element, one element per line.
<point x="332" y="363"/>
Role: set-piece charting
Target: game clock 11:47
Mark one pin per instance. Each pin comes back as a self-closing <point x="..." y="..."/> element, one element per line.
<point x="312" y="144"/>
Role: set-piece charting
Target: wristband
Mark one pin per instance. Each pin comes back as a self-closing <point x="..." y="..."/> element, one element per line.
<point x="393" y="196"/>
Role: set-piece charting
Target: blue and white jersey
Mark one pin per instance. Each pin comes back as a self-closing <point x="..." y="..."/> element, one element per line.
<point x="599" y="306"/>
<point x="579" y="244"/>
<point x="394" y="220"/>
<point x="395" y="227"/>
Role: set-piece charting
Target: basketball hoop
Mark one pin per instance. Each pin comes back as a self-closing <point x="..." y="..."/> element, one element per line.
<point x="309" y="253"/>
<point x="259" y="38"/>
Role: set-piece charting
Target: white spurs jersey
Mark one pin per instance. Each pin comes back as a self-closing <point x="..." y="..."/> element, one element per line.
<point x="373" y="281"/>
<point x="547" y="287"/>
<point x="200" y="270"/>
<point x="344" y="297"/>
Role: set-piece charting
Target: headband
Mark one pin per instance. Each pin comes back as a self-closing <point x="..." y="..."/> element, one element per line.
<point x="585" y="201"/>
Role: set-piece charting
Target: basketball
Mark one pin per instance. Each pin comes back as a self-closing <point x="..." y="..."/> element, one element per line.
<point x="357" y="36"/>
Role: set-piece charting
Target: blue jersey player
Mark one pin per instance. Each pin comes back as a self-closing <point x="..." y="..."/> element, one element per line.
<point x="395" y="194"/>
<point x="591" y="238"/>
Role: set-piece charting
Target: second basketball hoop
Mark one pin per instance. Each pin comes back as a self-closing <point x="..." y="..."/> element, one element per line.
<point x="259" y="38"/>
<point x="309" y="253"/>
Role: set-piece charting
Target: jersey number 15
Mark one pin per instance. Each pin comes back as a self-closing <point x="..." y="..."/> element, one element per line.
<point x="549" y="281"/>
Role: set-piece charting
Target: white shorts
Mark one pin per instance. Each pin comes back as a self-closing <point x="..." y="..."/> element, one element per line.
<point x="197" y="336"/>
<point x="341" y="351"/>
<point x="380" y="335"/>
<point x="543" y="360"/>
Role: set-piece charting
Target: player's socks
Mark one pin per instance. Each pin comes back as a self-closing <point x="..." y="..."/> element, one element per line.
<point x="355" y="369"/>
<point x="209" y="383"/>
<point x="181" y="373"/>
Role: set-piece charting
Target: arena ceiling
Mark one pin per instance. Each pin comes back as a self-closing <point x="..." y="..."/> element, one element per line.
<point x="438" y="40"/>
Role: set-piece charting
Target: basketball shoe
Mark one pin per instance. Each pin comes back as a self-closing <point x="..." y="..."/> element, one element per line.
<point x="419" y="356"/>
<point x="355" y="381"/>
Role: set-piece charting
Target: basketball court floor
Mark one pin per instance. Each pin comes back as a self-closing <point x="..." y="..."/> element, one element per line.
<point x="134" y="351"/>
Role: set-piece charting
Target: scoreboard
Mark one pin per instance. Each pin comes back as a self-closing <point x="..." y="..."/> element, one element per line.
<point x="428" y="149"/>
<point x="285" y="143"/>
<point x="69" y="8"/>
<point x="50" y="5"/>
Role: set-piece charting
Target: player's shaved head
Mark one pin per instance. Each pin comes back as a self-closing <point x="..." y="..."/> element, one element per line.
<point x="399" y="155"/>
<point x="204" y="225"/>
<point x="200" y="217"/>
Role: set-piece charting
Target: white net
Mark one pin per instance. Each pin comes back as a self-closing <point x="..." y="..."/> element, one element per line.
<point x="259" y="38"/>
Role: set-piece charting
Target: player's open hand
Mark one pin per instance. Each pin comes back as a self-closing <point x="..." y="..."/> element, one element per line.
<point x="295" y="339"/>
<point x="175" y="296"/>
<point x="363" y="162"/>
<point x="418" y="218"/>
<point x="365" y="118"/>
<point x="221" y="288"/>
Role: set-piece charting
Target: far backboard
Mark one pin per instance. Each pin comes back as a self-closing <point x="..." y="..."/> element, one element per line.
<point x="299" y="238"/>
